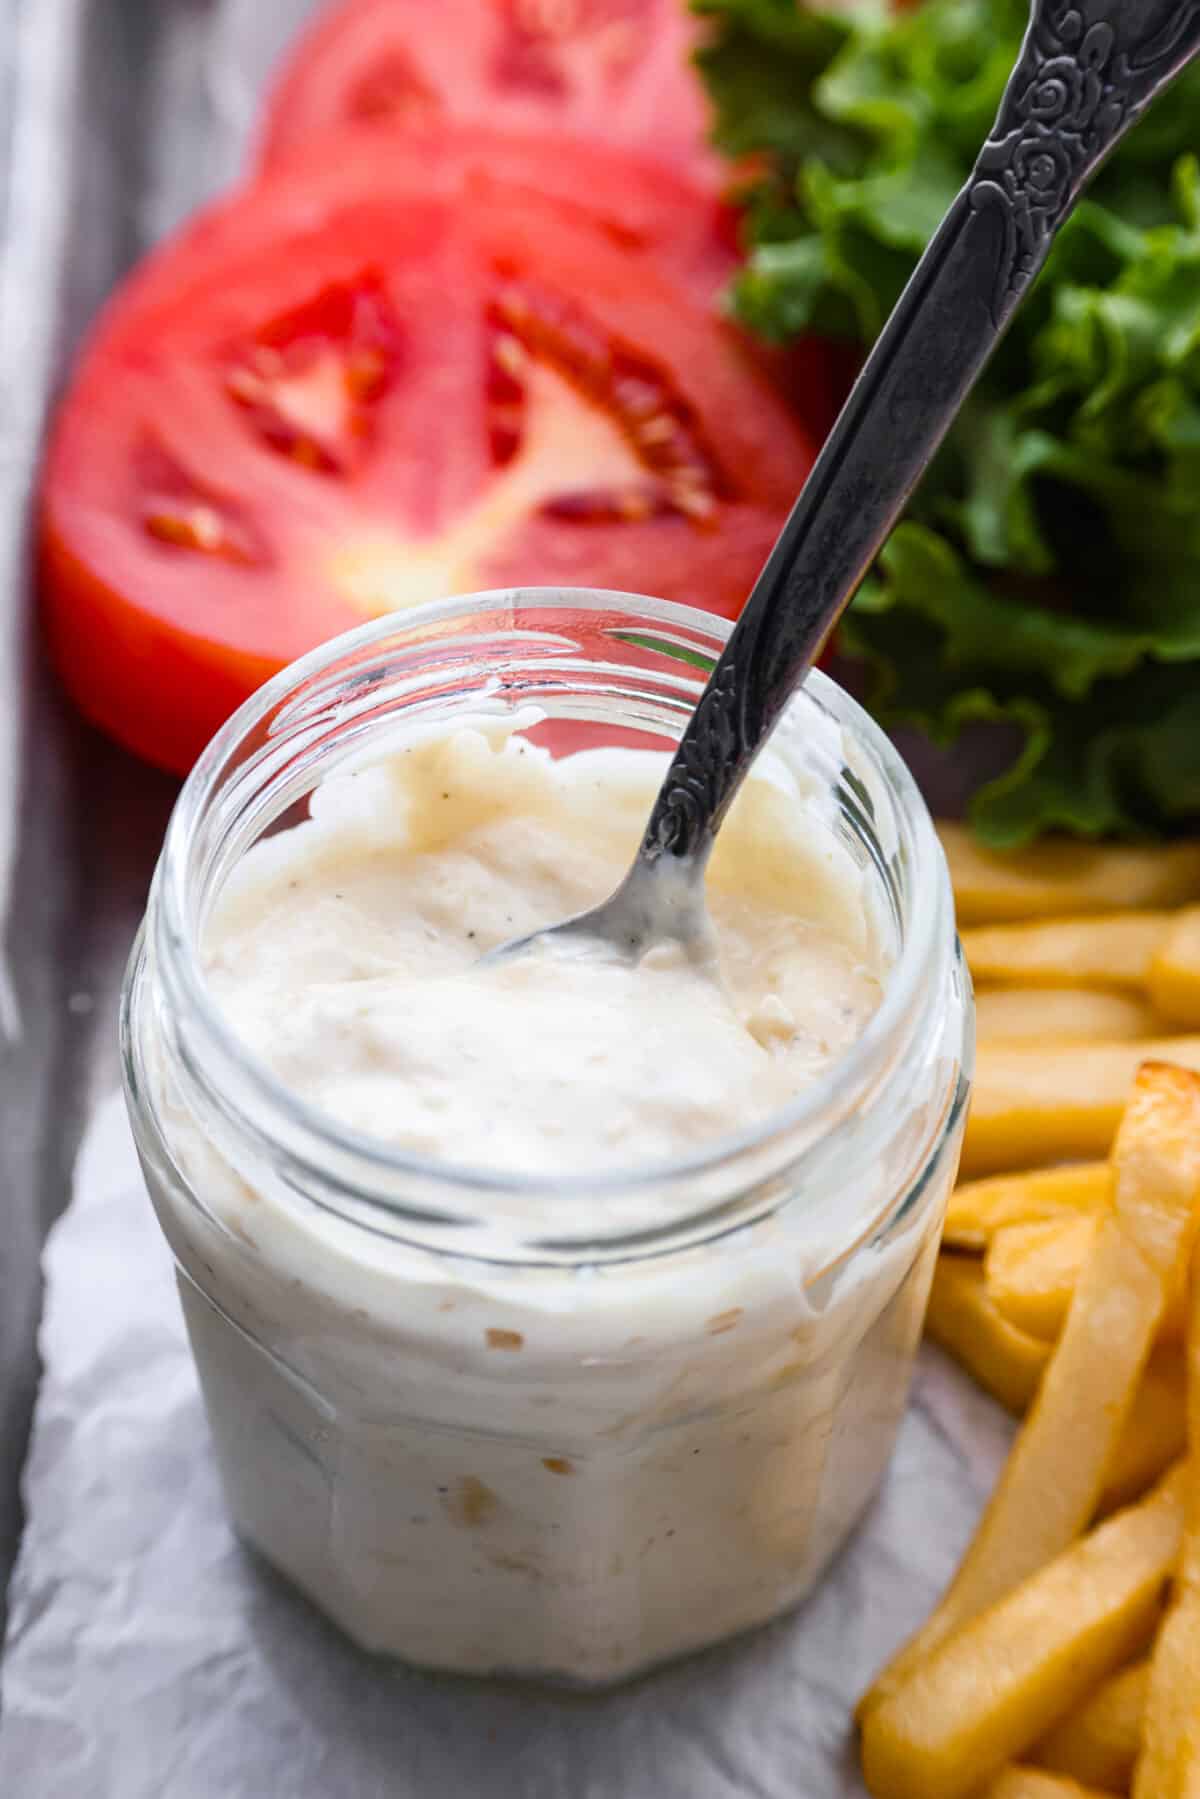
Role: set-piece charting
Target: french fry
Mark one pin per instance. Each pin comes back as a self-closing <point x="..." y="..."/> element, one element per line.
<point x="1053" y="1480"/>
<point x="1098" y="1743"/>
<point x="1033" y="1783"/>
<point x="1064" y="1015"/>
<point x="1173" y="981"/>
<point x="1058" y="877"/>
<point x="1031" y="1271"/>
<point x="1007" y="1363"/>
<point x="1169" y="1764"/>
<point x="1111" y="951"/>
<point x="1155" y="1433"/>
<point x="985" y="1695"/>
<point x="1030" y="1108"/>
<point x="978" y="1209"/>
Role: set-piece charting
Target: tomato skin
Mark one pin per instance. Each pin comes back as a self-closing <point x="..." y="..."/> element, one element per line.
<point x="615" y="70"/>
<point x="188" y="553"/>
<point x="130" y="674"/>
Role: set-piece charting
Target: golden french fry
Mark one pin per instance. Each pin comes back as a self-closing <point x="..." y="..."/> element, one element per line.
<point x="1155" y="1433"/>
<point x="1052" y="1482"/>
<point x="1173" y="981"/>
<point x="1034" y="1783"/>
<point x="1058" y="877"/>
<point x="986" y="1694"/>
<point x="978" y="1209"/>
<point x="1112" y="951"/>
<point x="1063" y="1015"/>
<point x="1169" y="1764"/>
<point x="1007" y="1363"/>
<point x="1031" y="1270"/>
<point x="1029" y="1108"/>
<point x="1098" y="1743"/>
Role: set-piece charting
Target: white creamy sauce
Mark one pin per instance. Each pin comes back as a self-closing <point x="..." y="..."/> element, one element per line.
<point x="490" y="1466"/>
<point x="347" y="956"/>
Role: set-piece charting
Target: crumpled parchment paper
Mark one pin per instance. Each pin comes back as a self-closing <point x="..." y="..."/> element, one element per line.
<point x="150" y="1656"/>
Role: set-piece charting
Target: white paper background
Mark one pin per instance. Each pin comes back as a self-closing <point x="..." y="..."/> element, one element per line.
<point x="150" y="1657"/>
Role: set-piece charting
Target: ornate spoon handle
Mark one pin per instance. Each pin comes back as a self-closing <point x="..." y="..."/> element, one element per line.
<point x="1085" y="73"/>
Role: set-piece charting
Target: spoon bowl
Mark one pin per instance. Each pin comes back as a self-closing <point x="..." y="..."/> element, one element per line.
<point x="655" y="903"/>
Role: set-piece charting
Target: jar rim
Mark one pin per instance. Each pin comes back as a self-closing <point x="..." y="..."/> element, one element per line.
<point x="313" y="1133"/>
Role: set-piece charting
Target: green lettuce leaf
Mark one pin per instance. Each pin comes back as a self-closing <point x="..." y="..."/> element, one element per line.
<point x="1047" y="573"/>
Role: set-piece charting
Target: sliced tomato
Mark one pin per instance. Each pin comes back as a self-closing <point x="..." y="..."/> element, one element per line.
<point x="328" y="401"/>
<point x="618" y="70"/>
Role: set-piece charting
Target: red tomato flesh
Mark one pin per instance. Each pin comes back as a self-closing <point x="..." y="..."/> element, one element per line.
<point x="326" y="401"/>
<point x="617" y="70"/>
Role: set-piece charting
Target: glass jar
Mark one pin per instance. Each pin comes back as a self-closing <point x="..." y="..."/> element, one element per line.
<point x="566" y="1456"/>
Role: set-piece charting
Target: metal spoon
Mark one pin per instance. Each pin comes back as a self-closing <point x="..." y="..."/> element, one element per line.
<point x="1086" y="72"/>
